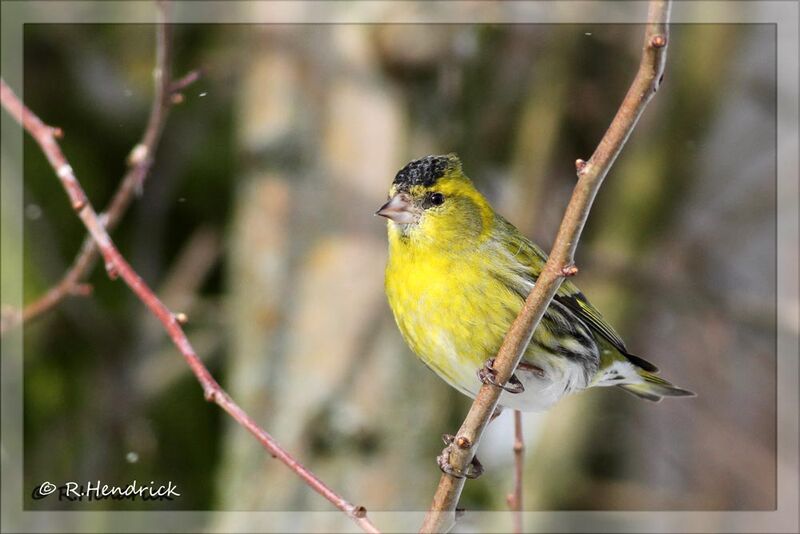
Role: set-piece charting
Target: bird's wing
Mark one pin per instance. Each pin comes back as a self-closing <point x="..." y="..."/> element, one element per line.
<point x="534" y="258"/>
<point x="571" y="297"/>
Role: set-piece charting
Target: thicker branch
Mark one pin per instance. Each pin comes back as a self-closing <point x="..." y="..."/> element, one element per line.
<point x="116" y="266"/>
<point x="441" y="515"/>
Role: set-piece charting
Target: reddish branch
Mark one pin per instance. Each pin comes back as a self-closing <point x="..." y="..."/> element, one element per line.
<point x="559" y="264"/>
<point x="140" y="162"/>
<point x="117" y="267"/>
<point x="514" y="499"/>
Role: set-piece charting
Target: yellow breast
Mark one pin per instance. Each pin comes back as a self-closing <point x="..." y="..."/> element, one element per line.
<point x="449" y="308"/>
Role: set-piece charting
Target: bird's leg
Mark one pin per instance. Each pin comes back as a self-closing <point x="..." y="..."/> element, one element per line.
<point x="488" y="375"/>
<point x="535" y="369"/>
<point x="473" y="470"/>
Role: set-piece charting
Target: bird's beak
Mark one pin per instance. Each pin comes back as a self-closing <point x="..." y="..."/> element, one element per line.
<point x="399" y="209"/>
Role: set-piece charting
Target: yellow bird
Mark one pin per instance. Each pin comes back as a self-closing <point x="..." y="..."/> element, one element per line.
<point x="457" y="276"/>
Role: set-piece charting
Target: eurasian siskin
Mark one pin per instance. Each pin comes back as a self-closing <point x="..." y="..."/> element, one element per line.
<point x="457" y="276"/>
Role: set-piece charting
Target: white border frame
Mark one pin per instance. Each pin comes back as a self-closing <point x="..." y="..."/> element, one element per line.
<point x="784" y="14"/>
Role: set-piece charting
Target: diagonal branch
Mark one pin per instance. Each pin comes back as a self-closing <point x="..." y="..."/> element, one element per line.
<point x="117" y="267"/>
<point x="140" y="161"/>
<point x="559" y="264"/>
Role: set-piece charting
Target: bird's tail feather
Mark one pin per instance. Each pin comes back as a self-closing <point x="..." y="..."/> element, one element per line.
<point x="654" y="388"/>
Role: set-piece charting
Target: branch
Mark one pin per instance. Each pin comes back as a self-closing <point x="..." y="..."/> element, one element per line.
<point x="559" y="264"/>
<point x="514" y="499"/>
<point x="117" y="267"/>
<point x="140" y="161"/>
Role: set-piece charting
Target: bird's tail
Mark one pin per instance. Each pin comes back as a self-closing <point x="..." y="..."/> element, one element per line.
<point x="654" y="388"/>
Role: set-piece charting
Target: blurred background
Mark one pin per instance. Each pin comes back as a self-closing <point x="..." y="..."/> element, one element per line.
<point x="256" y="221"/>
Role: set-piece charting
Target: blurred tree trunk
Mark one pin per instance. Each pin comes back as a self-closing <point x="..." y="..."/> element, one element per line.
<point x="315" y="356"/>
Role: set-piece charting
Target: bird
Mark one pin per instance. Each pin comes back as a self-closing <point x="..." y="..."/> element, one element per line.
<point x="458" y="274"/>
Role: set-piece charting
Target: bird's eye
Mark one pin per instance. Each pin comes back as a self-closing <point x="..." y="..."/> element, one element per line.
<point x="437" y="199"/>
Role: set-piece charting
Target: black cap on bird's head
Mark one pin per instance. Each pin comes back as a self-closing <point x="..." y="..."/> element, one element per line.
<point x="416" y="188"/>
<point x="426" y="171"/>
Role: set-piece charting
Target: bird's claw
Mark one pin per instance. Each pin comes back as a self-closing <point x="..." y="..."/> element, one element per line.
<point x="473" y="470"/>
<point x="488" y="375"/>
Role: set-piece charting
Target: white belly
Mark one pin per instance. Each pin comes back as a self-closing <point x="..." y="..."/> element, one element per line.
<point x="541" y="392"/>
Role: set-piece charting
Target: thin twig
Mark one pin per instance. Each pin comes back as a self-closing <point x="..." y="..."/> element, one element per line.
<point x="560" y="263"/>
<point x="140" y="161"/>
<point x="117" y="267"/>
<point x="188" y="79"/>
<point x="514" y="499"/>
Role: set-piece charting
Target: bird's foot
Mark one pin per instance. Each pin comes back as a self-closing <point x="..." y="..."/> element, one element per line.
<point x="488" y="375"/>
<point x="473" y="470"/>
